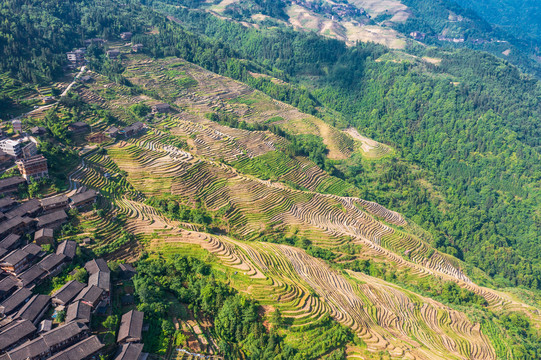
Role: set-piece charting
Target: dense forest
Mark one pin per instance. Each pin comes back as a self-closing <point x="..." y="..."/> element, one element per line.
<point x="48" y="29"/>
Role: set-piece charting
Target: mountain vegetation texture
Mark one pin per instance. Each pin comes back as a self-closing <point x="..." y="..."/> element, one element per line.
<point x="302" y="197"/>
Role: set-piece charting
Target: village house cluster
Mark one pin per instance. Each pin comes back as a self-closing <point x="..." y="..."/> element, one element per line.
<point x="26" y="331"/>
<point x="77" y="57"/>
<point x="23" y="150"/>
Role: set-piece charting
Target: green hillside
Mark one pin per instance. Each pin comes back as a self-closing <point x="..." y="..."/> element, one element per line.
<point x="302" y="197"/>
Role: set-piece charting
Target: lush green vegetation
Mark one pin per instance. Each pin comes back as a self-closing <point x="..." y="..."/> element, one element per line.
<point x="235" y="321"/>
<point x="50" y="28"/>
<point x="467" y="165"/>
<point x="470" y="122"/>
<point x="196" y="213"/>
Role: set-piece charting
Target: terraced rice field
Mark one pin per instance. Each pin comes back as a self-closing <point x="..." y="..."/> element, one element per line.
<point x="255" y="204"/>
<point x="185" y="154"/>
<point x="370" y="148"/>
<point x="384" y="316"/>
<point x="217" y="93"/>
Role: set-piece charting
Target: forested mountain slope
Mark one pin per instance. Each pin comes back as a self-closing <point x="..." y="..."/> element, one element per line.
<point x="520" y="18"/>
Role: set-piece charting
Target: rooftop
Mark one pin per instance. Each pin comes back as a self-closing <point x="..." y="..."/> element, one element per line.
<point x="78" y="310"/>
<point x="32" y="249"/>
<point x="82" y="350"/>
<point x="45" y="232"/>
<point x="44" y="342"/>
<point x="51" y="262"/>
<point x="90" y="294"/>
<point x="129" y="351"/>
<point x="15" y="180"/>
<point x="95" y="265"/>
<point x="67" y="292"/>
<point x="6" y="202"/>
<point x="29" y="207"/>
<point x="83" y="197"/>
<point x="33" y="308"/>
<point x="9" y="241"/>
<point x="7" y="284"/>
<point x="14" y="301"/>
<point x="51" y="218"/>
<point x="131" y="325"/>
<point x="36" y="159"/>
<point x="101" y="279"/>
<point x="54" y="200"/>
<point x="134" y="127"/>
<point x="14" y="332"/>
<point x="14" y="257"/>
<point x="31" y="275"/>
<point x="67" y="248"/>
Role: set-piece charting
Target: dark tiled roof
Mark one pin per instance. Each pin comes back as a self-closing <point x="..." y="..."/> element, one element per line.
<point x="10" y="241"/>
<point x="67" y="292"/>
<point x="28" y="350"/>
<point x="7" y="284"/>
<point x="54" y="200"/>
<point x="67" y="248"/>
<point x="32" y="275"/>
<point x="63" y="333"/>
<point x="134" y="127"/>
<point x="31" y="310"/>
<point x="127" y="267"/>
<point x="46" y="232"/>
<point x="43" y="343"/>
<point x="129" y="351"/>
<point x="16" y="300"/>
<point x="14" y="257"/>
<point x="10" y="224"/>
<point x="81" y="350"/>
<point x="38" y="130"/>
<point x="112" y="130"/>
<point x="15" y="332"/>
<point x="90" y="294"/>
<point x="32" y="249"/>
<point x="12" y="181"/>
<point x="101" y="279"/>
<point x="45" y="325"/>
<point x="6" y="202"/>
<point x="78" y="310"/>
<point x="83" y="197"/>
<point x="131" y="326"/>
<point x="51" y="261"/>
<point x="51" y="218"/>
<point x="95" y="265"/>
<point x="29" y="207"/>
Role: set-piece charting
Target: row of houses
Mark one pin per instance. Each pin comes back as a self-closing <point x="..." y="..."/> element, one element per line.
<point x="138" y="126"/>
<point x="126" y="132"/>
<point x="24" y="335"/>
